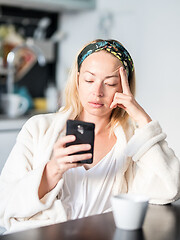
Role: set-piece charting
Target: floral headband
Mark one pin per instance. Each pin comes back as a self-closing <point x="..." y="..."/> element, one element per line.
<point x="110" y="46"/>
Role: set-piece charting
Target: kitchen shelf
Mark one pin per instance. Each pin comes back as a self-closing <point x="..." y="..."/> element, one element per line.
<point x="52" y="5"/>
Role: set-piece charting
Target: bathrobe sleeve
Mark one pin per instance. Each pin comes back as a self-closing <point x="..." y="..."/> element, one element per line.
<point x="155" y="170"/>
<point x="21" y="176"/>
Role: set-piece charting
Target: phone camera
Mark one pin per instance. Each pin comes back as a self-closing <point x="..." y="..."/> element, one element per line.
<point x="80" y="129"/>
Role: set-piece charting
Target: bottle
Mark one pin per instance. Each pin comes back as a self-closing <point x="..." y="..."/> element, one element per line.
<point x="51" y="95"/>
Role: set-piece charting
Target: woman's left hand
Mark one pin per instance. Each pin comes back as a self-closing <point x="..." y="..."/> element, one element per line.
<point x="126" y="101"/>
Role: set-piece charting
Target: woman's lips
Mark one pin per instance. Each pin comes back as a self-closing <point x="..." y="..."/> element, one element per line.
<point x="95" y="104"/>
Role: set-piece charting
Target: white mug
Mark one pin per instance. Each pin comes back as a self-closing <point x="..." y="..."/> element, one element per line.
<point x="129" y="210"/>
<point x="122" y="234"/>
<point x="14" y="105"/>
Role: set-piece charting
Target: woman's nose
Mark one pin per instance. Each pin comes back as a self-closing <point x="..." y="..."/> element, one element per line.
<point x="98" y="90"/>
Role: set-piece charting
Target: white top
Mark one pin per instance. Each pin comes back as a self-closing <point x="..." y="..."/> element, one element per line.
<point x="88" y="192"/>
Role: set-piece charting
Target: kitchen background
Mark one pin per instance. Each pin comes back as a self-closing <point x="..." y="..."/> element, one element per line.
<point x="148" y="29"/>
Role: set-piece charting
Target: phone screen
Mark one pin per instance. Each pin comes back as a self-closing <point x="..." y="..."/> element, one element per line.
<point x="84" y="132"/>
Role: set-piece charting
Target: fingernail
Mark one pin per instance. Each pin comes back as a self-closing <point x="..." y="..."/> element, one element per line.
<point x="88" y="146"/>
<point x="73" y="138"/>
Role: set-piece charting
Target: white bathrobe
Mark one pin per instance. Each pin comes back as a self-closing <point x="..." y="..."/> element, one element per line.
<point x="149" y="167"/>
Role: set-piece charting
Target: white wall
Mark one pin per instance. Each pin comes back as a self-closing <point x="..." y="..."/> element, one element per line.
<point x="150" y="30"/>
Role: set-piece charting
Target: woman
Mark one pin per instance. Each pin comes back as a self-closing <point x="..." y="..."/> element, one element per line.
<point x="41" y="182"/>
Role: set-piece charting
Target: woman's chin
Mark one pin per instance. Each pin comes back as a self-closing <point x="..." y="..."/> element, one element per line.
<point x="99" y="112"/>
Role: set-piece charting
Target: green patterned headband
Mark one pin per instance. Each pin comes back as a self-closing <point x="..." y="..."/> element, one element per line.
<point x="110" y="46"/>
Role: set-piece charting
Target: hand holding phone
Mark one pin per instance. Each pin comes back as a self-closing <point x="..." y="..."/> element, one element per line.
<point x="84" y="133"/>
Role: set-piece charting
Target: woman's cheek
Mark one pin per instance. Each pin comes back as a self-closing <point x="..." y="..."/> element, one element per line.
<point x="110" y="99"/>
<point x="114" y="91"/>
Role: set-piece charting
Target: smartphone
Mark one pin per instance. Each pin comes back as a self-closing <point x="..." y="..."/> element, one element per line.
<point x="84" y="132"/>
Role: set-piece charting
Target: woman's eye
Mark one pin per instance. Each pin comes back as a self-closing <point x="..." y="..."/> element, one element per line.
<point x="111" y="85"/>
<point x="88" y="81"/>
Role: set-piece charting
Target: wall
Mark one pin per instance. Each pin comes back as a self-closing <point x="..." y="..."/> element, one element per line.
<point x="150" y="31"/>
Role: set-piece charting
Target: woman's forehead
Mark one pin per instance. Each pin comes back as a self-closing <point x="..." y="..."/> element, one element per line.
<point x="100" y="60"/>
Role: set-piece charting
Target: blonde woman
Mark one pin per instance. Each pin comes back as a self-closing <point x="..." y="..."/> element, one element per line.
<point x="42" y="183"/>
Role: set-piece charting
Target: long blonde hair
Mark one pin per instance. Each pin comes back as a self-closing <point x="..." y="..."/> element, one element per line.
<point x="72" y="101"/>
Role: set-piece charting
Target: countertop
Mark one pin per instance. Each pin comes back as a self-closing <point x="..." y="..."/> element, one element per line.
<point x="7" y="123"/>
<point x="161" y="223"/>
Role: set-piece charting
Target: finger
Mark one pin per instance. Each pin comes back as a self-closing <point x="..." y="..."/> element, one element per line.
<point x="64" y="140"/>
<point x="124" y="81"/>
<point x="123" y="101"/>
<point x="118" y="105"/>
<point x="119" y="98"/>
<point x="77" y="157"/>
<point x="115" y="105"/>
<point x="66" y="151"/>
<point x="76" y="148"/>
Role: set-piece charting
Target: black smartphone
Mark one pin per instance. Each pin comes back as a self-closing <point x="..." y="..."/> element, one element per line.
<point x="84" y="132"/>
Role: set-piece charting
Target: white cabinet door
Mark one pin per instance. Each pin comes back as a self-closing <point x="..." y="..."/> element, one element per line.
<point x="7" y="141"/>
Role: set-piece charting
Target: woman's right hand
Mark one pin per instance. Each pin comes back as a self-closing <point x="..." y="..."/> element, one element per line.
<point x="62" y="157"/>
<point x="61" y="161"/>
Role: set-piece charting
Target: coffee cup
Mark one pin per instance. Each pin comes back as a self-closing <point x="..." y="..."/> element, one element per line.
<point x="14" y="105"/>
<point x="129" y="210"/>
<point x="122" y="234"/>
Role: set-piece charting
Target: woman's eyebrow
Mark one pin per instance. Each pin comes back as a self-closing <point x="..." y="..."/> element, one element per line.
<point x="110" y="76"/>
<point x="114" y="74"/>
<point x="90" y="73"/>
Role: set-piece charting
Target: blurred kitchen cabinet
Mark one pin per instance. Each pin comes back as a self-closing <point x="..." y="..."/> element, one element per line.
<point x="52" y="5"/>
<point x="9" y="129"/>
<point x="42" y="28"/>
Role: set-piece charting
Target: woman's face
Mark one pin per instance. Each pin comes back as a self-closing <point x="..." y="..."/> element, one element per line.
<point x="99" y="80"/>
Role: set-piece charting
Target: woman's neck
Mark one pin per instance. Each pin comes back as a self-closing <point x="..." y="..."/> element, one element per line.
<point x="101" y="123"/>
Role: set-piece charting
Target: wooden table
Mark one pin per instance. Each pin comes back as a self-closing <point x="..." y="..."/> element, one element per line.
<point x="161" y="223"/>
